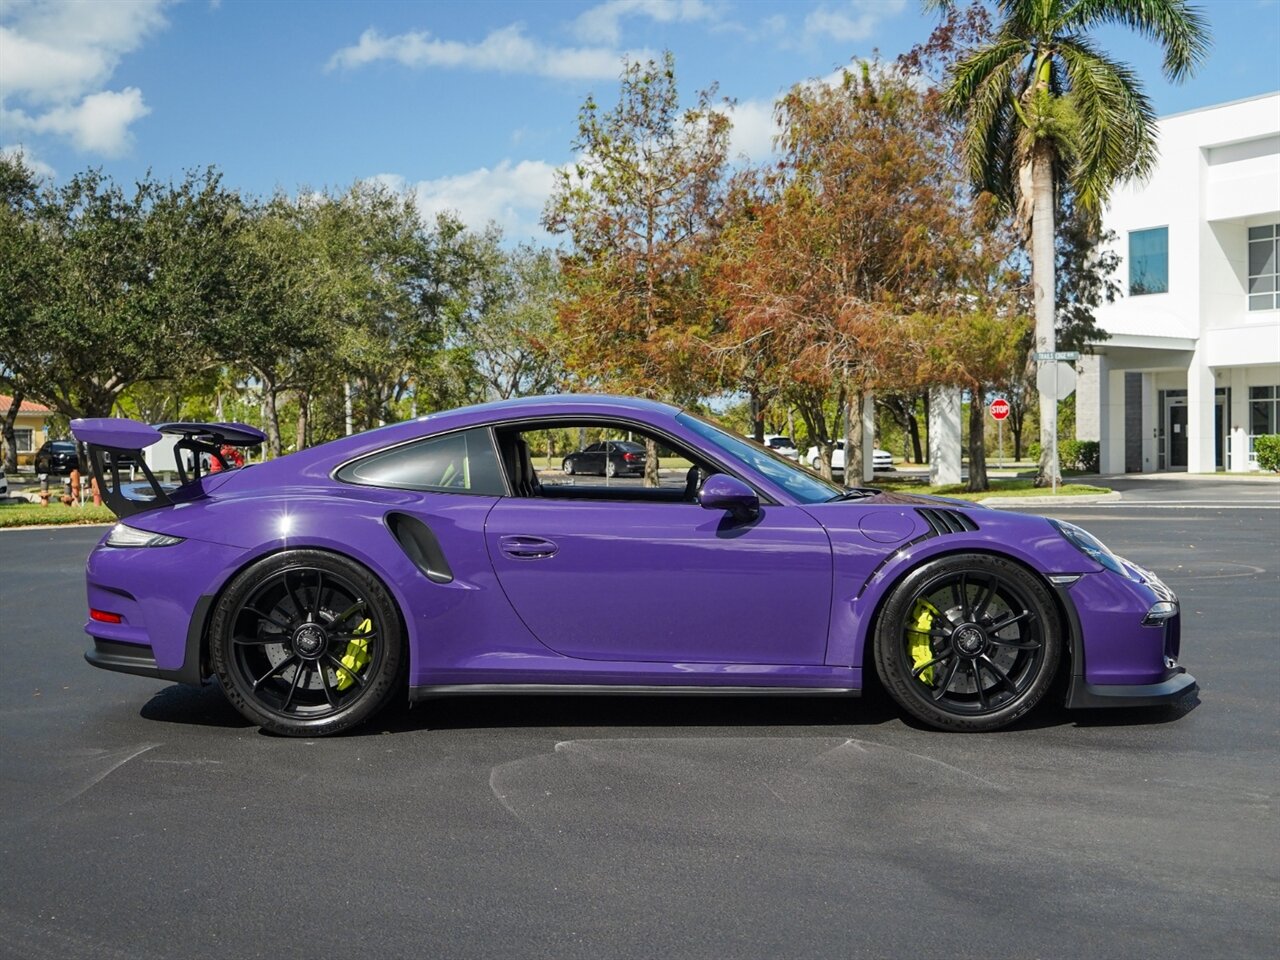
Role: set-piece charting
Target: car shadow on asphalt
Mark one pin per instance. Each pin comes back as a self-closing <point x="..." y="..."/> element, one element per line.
<point x="207" y="706"/>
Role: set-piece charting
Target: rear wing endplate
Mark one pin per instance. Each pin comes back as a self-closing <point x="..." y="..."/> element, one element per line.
<point x="112" y="439"/>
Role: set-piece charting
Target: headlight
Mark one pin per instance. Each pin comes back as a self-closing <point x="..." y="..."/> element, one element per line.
<point x="126" y="536"/>
<point x="1092" y="547"/>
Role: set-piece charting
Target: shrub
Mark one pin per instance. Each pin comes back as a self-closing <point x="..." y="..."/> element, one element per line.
<point x="1033" y="451"/>
<point x="1079" y="455"/>
<point x="1268" y="449"/>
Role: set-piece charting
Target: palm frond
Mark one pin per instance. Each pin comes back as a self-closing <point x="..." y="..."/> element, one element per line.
<point x="1114" y="122"/>
<point x="972" y="73"/>
<point x="990" y="115"/>
<point x="1178" y="26"/>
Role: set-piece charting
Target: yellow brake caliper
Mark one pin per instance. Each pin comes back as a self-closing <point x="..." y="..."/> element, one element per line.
<point x="357" y="655"/>
<point x="919" y="625"/>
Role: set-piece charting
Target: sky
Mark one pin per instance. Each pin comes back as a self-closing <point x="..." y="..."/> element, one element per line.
<point x="472" y="105"/>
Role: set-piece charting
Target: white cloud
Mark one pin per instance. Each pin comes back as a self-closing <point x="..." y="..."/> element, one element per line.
<point x="55" y="59"/>
<point x="852" y="20"/>
<point x="753" y="129"/>
<point x="602" y="23"/>
<point x="511" y="195"/>
<point x="97" y="124"/>
<point x="506" y="50"/>
<point x="16" y="151"/>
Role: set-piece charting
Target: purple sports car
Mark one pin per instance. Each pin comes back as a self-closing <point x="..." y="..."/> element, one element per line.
<point x="431" y="558"/>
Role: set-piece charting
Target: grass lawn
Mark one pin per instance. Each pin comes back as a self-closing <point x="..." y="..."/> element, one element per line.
<point x="32" y="514"/>
<point x="1000" y="487"/>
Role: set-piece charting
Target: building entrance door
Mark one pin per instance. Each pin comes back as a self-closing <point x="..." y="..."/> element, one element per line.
<point x="1178" y="436"/>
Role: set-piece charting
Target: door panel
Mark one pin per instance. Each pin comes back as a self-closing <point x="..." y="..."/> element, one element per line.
<point x="1178" y="436"/>
<point x="667" y="582"/>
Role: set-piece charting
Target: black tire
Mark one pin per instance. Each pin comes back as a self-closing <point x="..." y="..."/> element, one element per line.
<point x="293" y="657"/>
<point x="567" y="467"/>
<point x="969" y="670"/>
<point x="611" y="469"/>
<point x="816" y="463"/>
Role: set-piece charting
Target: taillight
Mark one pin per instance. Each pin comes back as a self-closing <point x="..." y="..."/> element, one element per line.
<point x="630" y="457"/>
<point x="102" y="616"/>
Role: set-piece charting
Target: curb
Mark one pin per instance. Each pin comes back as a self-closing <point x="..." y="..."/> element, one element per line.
<point x="56" y="526"/>
<point x="1051" y="501"/>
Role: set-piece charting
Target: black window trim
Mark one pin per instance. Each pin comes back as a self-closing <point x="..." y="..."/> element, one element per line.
<point x="674" y="442"/>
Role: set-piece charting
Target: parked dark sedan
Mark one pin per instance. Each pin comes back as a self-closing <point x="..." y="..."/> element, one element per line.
<point x="608" y="458"/>
<point x="56" y="457"/>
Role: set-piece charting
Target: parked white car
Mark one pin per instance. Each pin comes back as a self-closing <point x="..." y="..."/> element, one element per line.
<point x="779" y="444"/>
<point x="784" y="446"/>
<point x="4" y="485"/>
<point x="880" y="459"/>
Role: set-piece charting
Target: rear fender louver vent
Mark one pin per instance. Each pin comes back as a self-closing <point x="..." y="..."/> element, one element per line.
<point x="943" y="521"/>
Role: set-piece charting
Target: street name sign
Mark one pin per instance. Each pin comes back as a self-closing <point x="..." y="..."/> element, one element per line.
<point x="1049" y="356"/>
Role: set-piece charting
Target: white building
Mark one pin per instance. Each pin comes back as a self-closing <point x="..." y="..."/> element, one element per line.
<point x="1191" y="372"/>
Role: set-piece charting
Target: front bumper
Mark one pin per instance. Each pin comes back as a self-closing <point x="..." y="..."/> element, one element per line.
<point x="1085" y="695"/>
<point x="1120" y="658"/>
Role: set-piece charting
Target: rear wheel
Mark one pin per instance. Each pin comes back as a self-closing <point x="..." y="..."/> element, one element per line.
<point x="307" y="643"/>
<point x="611" y="470"/>
<point x="969" y="642"/>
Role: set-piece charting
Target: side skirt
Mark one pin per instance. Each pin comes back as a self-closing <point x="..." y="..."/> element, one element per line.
<point x="433" y="691"/>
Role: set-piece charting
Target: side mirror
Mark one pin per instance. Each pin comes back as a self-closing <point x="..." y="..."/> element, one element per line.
<point x="723" y="492"/>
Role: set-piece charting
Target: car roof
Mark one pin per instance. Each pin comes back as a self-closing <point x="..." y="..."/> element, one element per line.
<point x="316" y="461"/>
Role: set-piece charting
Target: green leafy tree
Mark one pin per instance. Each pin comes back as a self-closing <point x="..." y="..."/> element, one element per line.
<point x="1046" y="108"/>
<point x="128" y="281"/>
<point x="23" y="269"/>
<point x="512" y="331"/>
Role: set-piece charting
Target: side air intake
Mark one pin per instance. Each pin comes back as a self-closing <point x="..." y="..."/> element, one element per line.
<point x="942" y="521"/>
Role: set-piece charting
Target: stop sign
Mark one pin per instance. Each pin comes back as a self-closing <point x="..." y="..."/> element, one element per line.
<point x="999" y="408"/>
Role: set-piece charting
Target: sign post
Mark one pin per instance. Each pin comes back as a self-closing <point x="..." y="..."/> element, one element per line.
<point x="1062" y="382"/>
<point x="999" y="412"/>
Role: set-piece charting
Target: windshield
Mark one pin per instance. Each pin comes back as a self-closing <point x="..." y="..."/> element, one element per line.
<point x="804" y="486"/>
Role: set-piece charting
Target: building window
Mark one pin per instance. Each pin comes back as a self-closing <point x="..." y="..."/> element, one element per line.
<point x="22" y="439"/>
<point x="1263" y="403"/>
<point x="1264" y="263"/>
<point x="1149" y="261"/>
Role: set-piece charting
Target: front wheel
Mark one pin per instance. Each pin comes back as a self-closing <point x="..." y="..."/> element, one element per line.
<point x="969" y="642"/>
<point x="567" y="467"/>
<point x="307" y="643"/>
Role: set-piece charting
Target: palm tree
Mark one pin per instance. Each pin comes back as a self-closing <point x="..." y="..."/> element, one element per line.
<point x="1044" y="109"/>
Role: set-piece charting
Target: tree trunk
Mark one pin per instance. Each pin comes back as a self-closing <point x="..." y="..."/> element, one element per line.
<point x="1017" y="417"/>
<point x="913" y="429"/>
<point x="1043" y="291"/>
<point x="271" y="415"/>
<point x="757" y="416"/>
<point x="10" y="437"/>
<point x="650" y="462"/>
<point x="977" y="441"/>
<point x="303" y="403"/>
<point x="854" y="453"/>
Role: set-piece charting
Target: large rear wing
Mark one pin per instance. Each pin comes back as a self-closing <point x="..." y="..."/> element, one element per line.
<point x="114" y="442"/>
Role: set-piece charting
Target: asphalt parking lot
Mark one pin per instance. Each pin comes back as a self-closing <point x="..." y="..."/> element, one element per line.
<point x="148" y="820"/>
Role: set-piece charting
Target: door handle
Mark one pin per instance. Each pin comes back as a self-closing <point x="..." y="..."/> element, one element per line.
<point x="527" y="548"/>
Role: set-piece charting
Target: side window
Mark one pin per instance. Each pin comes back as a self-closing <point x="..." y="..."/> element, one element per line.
<point x="455" y="463"/>
<point x="1148" y="261"/>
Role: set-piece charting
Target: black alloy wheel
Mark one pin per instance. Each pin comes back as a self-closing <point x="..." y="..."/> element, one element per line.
<point x="307" y="643"/>
<point x="968" y="642"/>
